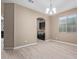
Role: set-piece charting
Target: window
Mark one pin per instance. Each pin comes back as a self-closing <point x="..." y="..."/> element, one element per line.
<point x="68" y="23"/>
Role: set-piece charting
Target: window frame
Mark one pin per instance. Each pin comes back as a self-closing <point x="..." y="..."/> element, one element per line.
<point x="64" y="20"/>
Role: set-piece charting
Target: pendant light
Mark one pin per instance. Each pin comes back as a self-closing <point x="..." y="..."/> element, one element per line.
<point x="51" y="9"/>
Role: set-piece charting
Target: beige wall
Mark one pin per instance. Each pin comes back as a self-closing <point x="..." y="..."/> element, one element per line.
<point x="2" y="9"/>
<point x="9" y="26"/>
<point x="62" y="36"/>
<point x="25" y="25"/>
<point x="21" y="26"/>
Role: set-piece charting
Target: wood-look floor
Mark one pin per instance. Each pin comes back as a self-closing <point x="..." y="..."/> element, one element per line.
<point x="43" y="50"/>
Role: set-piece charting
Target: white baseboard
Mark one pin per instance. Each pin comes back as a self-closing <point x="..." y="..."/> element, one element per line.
<point x="65" y="43"/>
<point x="25" y="45"/>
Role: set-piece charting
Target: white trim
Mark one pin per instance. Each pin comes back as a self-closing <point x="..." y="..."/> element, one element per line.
<point x="2" y="43"/>
<point x="65" y="42"/>
<point x="25" y="45"/>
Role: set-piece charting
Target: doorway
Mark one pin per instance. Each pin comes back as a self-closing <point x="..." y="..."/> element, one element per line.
<point x="40" y="28"/>
<point x="2" y="32"/>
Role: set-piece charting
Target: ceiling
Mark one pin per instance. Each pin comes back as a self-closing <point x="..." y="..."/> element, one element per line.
<point x="41" y="5"/>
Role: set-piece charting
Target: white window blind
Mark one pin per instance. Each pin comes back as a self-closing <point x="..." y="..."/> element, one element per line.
<point x="68" y="23"/>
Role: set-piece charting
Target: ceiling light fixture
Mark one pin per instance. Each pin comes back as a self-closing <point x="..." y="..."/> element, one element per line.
<point x="51" y="9"/>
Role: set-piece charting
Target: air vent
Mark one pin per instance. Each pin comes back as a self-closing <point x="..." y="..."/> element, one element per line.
<point x="31" y="1"/>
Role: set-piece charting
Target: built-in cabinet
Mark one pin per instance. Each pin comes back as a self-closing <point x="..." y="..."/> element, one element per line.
<point x="40" y="28"/>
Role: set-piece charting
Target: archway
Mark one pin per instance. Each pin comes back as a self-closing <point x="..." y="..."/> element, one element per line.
<point x="40" y="28"/>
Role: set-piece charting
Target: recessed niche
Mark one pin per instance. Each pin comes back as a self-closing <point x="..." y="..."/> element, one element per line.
<point x="40" y="28"/>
